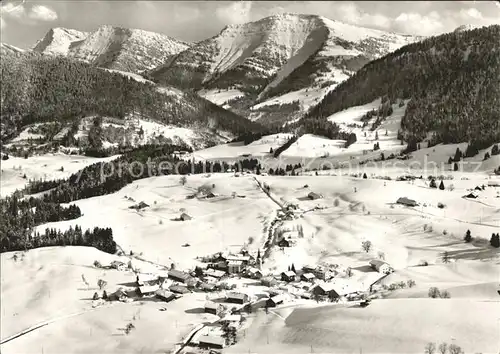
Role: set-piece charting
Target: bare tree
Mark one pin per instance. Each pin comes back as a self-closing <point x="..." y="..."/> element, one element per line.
<point x="455" y="349"/>
<point x="443" y="348"/>
<point x="410" y="283"/>
<point x="381" y="255"/>
<point x="85" y="281"/>
<point x="366" y="245"/>
<point x="102" y="284"/>
<point x="430" y="348"/>
<point x="348" y="272"/>
<point x="183" y="180"/>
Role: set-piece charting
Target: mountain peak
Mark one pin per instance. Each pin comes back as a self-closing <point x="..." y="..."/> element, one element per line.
<point x="112" y="47"/>
<point x="58" y="40"/>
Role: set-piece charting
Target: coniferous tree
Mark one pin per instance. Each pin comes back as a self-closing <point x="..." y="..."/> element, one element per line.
<point x="455" y="167"/>
<point x="441" y="185"/>
<point x="468" y="237"/>
<point x="495" y="240"/>
<point x="432" y="184"/>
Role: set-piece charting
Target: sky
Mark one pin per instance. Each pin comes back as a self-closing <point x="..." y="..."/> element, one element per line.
<point x="23" y="22"/>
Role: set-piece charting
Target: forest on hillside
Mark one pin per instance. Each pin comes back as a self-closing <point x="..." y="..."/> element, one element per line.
<point x="453" y="81"/>
<point x="37" y="88"/>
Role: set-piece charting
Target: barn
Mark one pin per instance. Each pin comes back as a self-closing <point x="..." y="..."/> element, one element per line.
<point x="380" y="266"/>
<point x="407" y="201"/>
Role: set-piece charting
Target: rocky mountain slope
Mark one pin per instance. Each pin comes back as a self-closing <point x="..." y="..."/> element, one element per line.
<point x="111" y="47"/>
<point x="452" y="83"/>
<point x="252" y="63"/>
<point x="63" y="92"/>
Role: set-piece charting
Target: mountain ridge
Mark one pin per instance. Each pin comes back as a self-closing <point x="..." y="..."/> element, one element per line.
<point x="112" y="47"/>
<point x="257" y="57"/>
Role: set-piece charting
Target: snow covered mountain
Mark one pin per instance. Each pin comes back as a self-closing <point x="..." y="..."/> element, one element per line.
<point x="6" y="49"/>
<point x="258" y="62"/>
<point x="111" y="47"/>
<point x="59" y="40"/>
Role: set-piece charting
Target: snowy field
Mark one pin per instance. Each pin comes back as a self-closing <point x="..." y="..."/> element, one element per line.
<point x="221" y="97"/>
<point x="47" y="285"/>
<point x="46" y="166"/>
<point x="217" y="224"/>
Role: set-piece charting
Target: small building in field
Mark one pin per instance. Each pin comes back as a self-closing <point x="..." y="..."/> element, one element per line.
<point x="120" y="266"/>
<point x="148" y="290"/>
<point x="185" y="217"/>
<point x="380" y="266"/>
<point x="471" y="195"/>
<point x="288" y="276"/>
<point x="275" y="300"/>
<point x="212" y="342"/>
<point x="494" y="183"/>
<point x="178" y="275"/>
<point x="165" y="295"/>
<point x="214" y="308"/>
<point x="313" y="196"/>
<point x="179" y="289"/>
<point x="309" y="277"/>
<point x="237" y="298"/>
<point x="407" y="202"/>
<point x="478" y="188"/>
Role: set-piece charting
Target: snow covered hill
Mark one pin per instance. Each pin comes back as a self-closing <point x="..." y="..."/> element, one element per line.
<point x="274" y="56"/>
<point x="111" y="47"/>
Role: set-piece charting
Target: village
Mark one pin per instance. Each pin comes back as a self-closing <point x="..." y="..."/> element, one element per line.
<point x="236" y="284"/>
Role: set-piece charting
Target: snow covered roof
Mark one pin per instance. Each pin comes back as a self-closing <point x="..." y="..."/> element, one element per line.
<point x="212" y="340"/>
<point x="278" y="298"/>
<point x="238" y="258"/>
<point x="147" y="289"/>
<point x="308" y="275"/>
<point x="232" y="318"/>
<point x="377" y="263"/>
<point x="289" y="273"/>
<point x="215" y="273"/>
<point x="146" y="277"/>
<point x="212" y="305"/>
<point x="239" y="296"/>
<point x="174" y="273"/>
